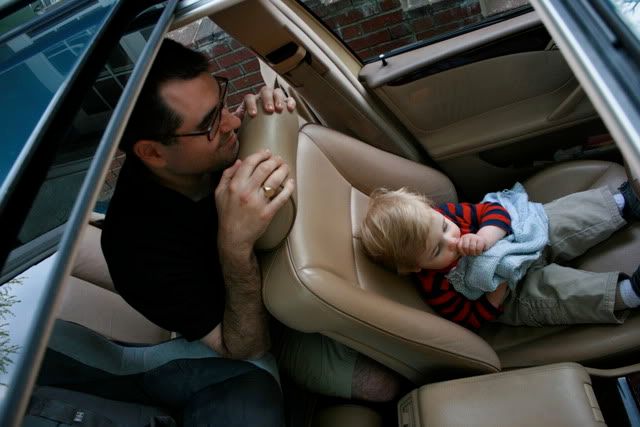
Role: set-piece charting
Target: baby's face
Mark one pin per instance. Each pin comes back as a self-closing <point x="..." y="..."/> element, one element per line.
<point x="442" y="243"/>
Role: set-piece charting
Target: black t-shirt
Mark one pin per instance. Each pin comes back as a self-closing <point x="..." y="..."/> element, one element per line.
<point x="161" y="249"/>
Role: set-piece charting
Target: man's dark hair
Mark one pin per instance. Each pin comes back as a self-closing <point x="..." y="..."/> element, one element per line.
<point x="152" y="118"/>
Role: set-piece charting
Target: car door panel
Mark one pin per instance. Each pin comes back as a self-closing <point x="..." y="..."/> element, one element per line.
<point x="480" y="91"/>
<point x="481" y="105"/>
<point x="376" y="74"/>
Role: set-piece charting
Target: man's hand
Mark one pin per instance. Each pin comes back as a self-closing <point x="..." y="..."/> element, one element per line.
<point x="471" y="244"/>
<point x="244" y="211"/>
<point x="272" y="100"/>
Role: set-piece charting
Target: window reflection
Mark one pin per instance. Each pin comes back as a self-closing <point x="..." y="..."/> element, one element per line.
<point x="33" y="66"/>
<point x="630" y="12"/>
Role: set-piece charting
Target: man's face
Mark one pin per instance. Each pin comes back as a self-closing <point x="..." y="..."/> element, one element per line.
<point x="194" y="101"/>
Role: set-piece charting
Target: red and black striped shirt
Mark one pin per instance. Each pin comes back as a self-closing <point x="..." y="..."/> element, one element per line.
<point x="435" y="287"/>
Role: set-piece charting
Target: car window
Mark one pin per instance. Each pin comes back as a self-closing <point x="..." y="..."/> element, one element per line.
<point x="57" y="195"/>
<point x="35" y="74"/>
<point x="34" y="64"/>
<point x="630" y="13"/>
<point x="371" y="28"/>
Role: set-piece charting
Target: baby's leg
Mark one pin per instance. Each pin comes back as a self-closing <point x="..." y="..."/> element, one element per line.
<point x="628" y="292"/>
<point x="581" y="220"/>
<point x="630" y="193"/>
<point x="558" y="295"/>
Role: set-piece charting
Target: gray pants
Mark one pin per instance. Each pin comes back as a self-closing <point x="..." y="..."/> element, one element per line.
<point x="551" y="294"/>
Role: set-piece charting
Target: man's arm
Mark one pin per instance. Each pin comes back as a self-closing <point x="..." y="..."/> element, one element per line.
<point x="243" y="332"/>
<point x="244" y="212"/>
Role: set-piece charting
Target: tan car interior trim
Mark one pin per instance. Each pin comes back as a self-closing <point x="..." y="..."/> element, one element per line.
<point x="278" y="133"/>
<point x="324" y="73"/>
<point x="375" y="74"/>
<point x="438" y="109"/>
<point x="188" y="11"/>
<point x="552" y="395"/>
<point x="610" y="373"/>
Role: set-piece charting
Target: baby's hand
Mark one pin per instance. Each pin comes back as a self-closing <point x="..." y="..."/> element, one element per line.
<point x="471" y="244"/>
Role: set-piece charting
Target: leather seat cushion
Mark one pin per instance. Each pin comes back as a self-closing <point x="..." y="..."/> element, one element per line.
<point x="523" y="346"/>
<point x="107" y="313"/>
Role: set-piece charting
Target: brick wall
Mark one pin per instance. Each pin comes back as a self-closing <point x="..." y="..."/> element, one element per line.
<point x="372" y="27"/>
<point x="228" y="58"/>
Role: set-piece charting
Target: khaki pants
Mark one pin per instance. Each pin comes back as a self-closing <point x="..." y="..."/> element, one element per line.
<point x="313" y="361"/>
<point x="551" y="294"/>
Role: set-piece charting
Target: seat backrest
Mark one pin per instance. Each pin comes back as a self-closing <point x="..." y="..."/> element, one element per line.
<point x="319" y="280"/>
<point x="90" y="298"/>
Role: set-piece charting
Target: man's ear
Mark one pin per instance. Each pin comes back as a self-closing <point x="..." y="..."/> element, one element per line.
<point x="150" y="152"/>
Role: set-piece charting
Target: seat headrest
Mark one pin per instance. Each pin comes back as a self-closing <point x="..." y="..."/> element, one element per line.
<point x="279" y="133"/>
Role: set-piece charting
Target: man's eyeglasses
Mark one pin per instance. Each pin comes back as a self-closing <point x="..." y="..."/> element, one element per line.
<point x="216" y="114"/>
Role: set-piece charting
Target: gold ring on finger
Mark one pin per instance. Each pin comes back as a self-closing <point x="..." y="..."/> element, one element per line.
<point x="269" y="192"/>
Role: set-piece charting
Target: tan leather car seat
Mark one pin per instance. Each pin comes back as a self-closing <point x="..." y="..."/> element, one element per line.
<point x="318" y="279"/>
<point x="90" y="299"/>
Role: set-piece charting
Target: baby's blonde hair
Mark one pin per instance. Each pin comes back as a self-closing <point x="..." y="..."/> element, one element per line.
<point x="394" y="231"/>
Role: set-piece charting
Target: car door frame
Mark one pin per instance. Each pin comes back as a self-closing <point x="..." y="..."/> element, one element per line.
<point x="24" y="369"/>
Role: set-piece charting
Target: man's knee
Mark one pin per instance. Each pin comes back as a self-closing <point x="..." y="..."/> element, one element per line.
<point x="261" y="396"/>
<point x="326" y="366"/>
<point x="374" y="382"/>
<point x="253" y="398"/>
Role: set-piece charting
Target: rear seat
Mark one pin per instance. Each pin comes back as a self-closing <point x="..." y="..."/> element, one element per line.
<point x="90" y="298"/>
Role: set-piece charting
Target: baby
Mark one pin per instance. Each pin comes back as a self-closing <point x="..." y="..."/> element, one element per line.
<point x="405" y="232"/>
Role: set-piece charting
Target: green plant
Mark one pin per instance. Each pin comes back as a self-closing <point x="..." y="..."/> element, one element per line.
<point x="7" y="300"/>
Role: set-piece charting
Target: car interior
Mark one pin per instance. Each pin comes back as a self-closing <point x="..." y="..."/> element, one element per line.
<point x="453" y="119"/>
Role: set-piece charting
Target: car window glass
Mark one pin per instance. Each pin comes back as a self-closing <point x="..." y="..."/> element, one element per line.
<point x="33" y="65"/>
<point x="57" y="195"/>
<point x="22" y="16"/>
<point x="630" y="12"/>
<point x="371" y="28"/>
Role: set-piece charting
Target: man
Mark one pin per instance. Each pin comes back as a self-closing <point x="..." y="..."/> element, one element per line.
<point x="182" y="254"/>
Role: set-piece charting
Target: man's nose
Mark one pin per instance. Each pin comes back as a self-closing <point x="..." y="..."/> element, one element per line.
<point x="229" y="121"/>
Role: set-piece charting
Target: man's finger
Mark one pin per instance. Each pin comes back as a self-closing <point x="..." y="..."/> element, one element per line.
<point x="277" y="177"/>
<point x="291" y="104"/>
<point x="278" y="201"/>
<point x="266" y="94"/>
<point x="228" y="174"/>
<point x="278" y="99"/>
<point x="251" y="104"/>
<point x="264" y="170"/>
<point x="251" y="162"/>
